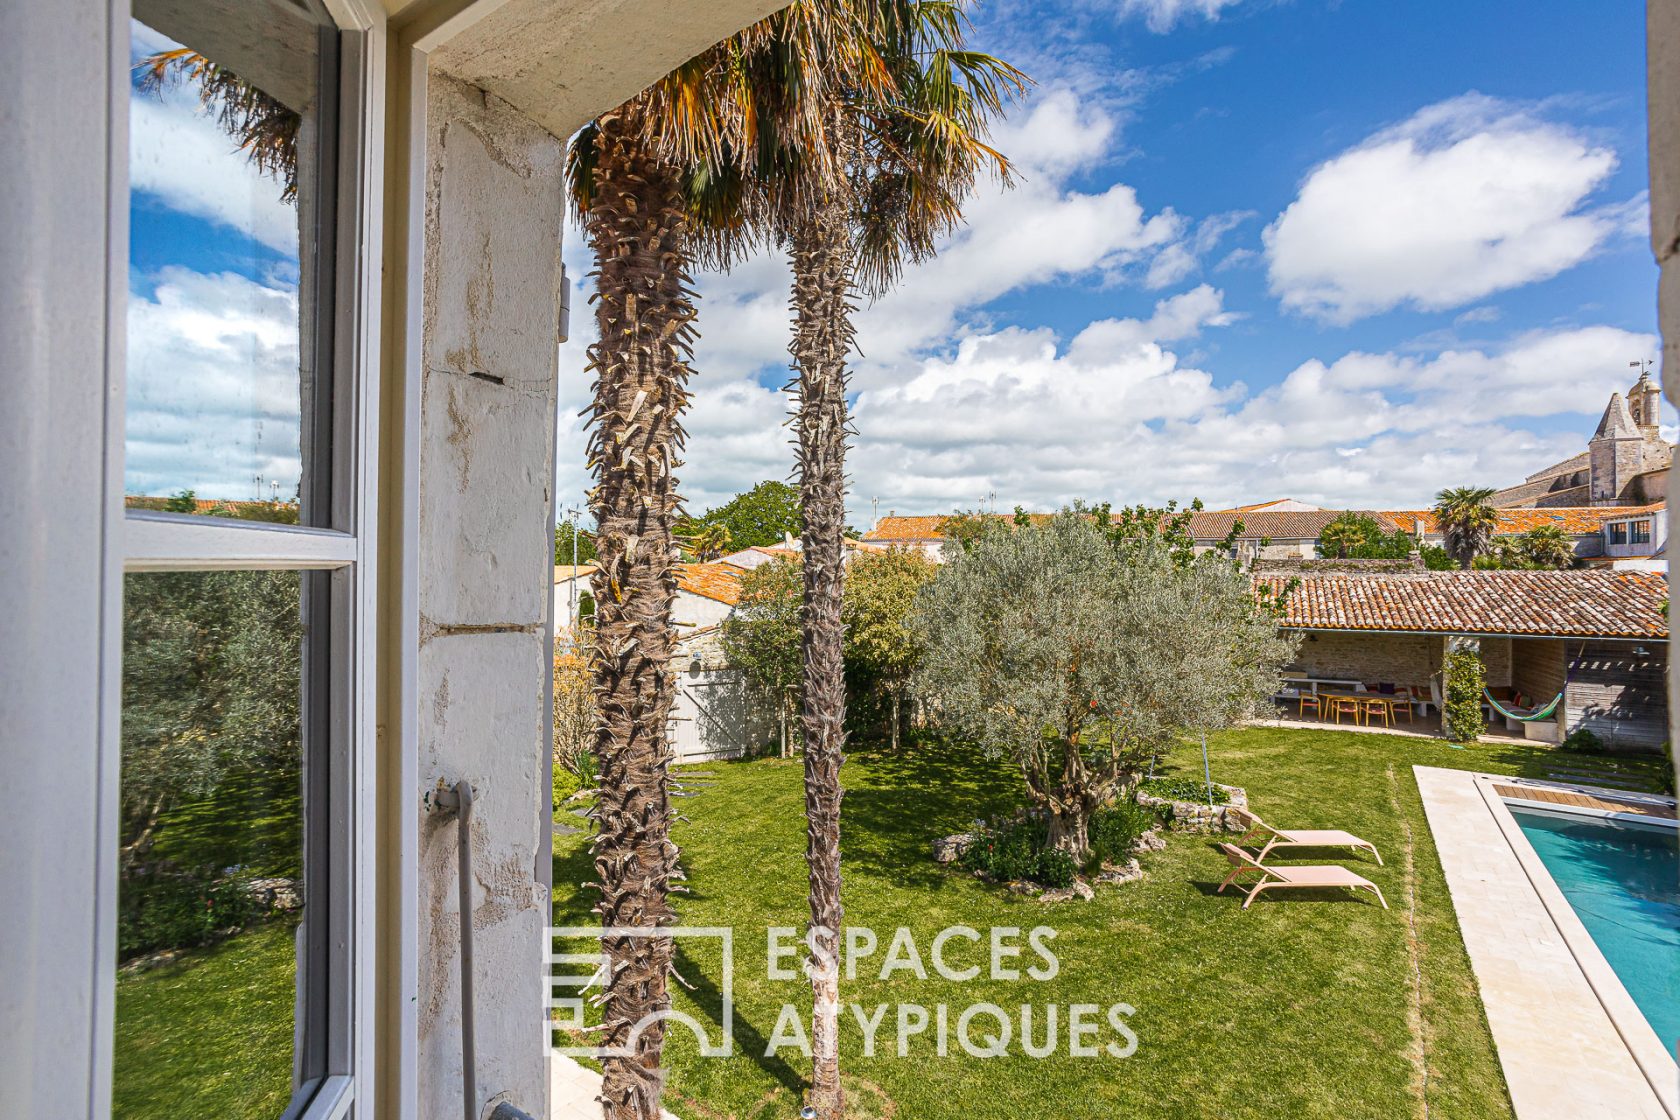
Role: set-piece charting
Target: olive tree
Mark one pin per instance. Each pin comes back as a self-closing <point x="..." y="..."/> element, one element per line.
<point x="1079" y="654"/>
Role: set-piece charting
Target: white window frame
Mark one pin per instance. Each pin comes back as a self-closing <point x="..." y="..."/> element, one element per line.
<point x="152" y="541"/>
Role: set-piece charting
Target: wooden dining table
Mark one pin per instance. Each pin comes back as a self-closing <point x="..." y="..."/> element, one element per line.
<point x="1361" y="698"/>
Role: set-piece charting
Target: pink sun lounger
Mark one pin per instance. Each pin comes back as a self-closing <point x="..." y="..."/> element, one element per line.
<point x="1273" y="877"/>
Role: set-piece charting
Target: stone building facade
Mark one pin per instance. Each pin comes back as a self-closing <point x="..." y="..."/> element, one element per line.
<point x="1625" y="464"/>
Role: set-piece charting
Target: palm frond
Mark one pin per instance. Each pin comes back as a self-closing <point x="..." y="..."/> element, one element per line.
<point x="265" y="130"/>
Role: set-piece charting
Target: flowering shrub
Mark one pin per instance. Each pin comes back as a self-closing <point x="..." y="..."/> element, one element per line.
<point x="1021" y="850"/>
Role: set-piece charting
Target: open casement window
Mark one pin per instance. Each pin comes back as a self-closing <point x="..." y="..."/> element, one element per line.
<point x="246" y="566"/>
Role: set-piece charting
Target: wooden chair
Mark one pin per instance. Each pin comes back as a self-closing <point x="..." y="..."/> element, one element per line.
<point x="1340" y="704"/>
<point x="1309" y="700"/>
<point x="1378" y="707"/>
<point x="1402" y="706"/>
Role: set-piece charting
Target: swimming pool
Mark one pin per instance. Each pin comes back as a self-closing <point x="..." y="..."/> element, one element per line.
<point x="1623" y="880"/>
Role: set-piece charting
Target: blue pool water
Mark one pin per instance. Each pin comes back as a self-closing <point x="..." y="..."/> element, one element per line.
<point x="1624" y="882"/>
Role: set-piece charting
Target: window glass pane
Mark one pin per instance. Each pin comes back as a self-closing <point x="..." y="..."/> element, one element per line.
<point x="229" y="130"/>
<point x="212" y="929"/>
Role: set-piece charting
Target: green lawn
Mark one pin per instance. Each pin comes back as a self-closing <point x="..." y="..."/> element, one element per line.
<point x="253" y="820"/>
<point x="211" y="1034"/>
<point x="1301" y="1007"/>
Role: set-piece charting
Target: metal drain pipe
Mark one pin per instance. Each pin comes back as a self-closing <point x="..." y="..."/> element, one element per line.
<point x="460" y="801"/>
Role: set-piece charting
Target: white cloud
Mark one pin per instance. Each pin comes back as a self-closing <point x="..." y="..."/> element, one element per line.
<point x="1468" y="197"/>
<point x="1170" y="265"/>
<point x="1116" y="415"/>
<point x="212" y="387"/>
<point x="1162" y="15"/>
<point x="179" y="153"/>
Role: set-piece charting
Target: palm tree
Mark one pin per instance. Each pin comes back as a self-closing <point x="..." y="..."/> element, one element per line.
<point x="911" y="156"/>
<point x="1343" y="533"/>
<point x="782" y="132"/>
<point x="265" y="129"/>
<point x="707" y="540"/>
<point x="1548" y="546"/>
<point x="633" y="200"/>
<point x="1467" y="520"/>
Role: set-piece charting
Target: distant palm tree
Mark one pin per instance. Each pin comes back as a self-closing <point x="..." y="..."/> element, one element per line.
<point x="708" y="540"/>
<point x="1344" y="533"/>
<point x="1467" y="520"/>
<point x="1548" y="546"/>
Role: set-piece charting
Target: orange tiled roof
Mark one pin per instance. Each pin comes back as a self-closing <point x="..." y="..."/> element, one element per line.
<point x="1282" y="525"/>
<point x="1587" y="603"/>
<point x="1206" y="525"/>
<point x="156" y="503"/>
<point x="564" y="572"/>
<point x="907" y="529"/>
<point x="718" y="582"/>
<point x="1575" y="520"/>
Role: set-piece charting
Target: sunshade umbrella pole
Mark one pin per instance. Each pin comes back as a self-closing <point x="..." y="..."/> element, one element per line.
<point x="1207" y="772"/>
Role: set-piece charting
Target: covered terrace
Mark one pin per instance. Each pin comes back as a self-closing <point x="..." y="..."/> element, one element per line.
<point x="1597" y="637"/>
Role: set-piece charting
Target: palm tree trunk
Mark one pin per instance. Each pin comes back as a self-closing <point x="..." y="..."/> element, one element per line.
<point x="637" y="228"/>
<point x="822" y="271"/>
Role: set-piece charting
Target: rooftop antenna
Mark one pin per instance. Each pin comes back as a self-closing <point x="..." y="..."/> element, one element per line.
<point x="874" y="514"/>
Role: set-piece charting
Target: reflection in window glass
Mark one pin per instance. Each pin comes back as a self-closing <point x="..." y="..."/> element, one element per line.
<point x="211" y="898"/>
<point x="226" y="222"/>
<point x="1641" y="532"/>
<point x="1618" y="532"/>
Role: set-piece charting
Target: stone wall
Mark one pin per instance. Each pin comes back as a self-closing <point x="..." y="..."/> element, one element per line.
<point x="1496" y="661"/>
<point x="494" y="203"/>
<point x="1393" y="658"/>
<point x="1199" y="816"/>
<point x="1537" y="668"/>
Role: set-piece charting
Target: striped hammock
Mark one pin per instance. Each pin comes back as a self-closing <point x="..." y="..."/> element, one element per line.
<point x="1543" y="713"/>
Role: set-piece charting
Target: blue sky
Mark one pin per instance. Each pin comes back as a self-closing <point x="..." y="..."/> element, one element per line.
<point x="212" y="402"/>
<point x="1346" y="252"/>
<point x="1349" y="252"/>
<point x="1229" y="115"/>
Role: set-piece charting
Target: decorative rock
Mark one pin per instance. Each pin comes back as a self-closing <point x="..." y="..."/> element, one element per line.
<point x="1080" y="889"/>
<point x="277" y="894"/>
<point x="1119" y="876"/>
<point x="1151" y="841"/>
<point x="1024" y="886"/>
<point x="948" y="849"/>
<point x="1198" y="816"/>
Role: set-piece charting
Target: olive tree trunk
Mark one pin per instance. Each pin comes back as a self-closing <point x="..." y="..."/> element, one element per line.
<point x="822" y="271"/>
<point x="636" y="227"/>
